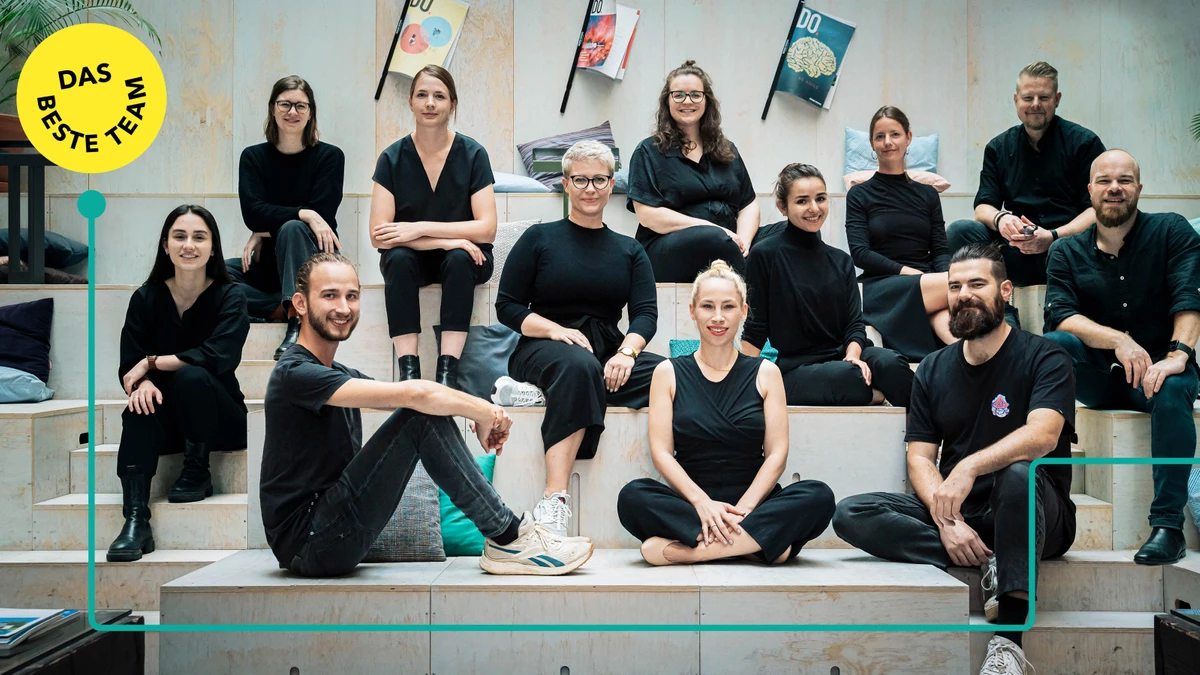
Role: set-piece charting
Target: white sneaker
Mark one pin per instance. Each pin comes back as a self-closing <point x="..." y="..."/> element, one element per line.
<point x="510" y="393"/>
<point x="554" y="513"/>
<point x="535" y="551"/>
<point x="1004" y="657"/>
<point x="991" y="608"/>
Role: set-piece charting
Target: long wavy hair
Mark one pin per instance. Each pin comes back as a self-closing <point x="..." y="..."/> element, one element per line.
<point x="165" y="269"/>
<point x="667" y="133"/>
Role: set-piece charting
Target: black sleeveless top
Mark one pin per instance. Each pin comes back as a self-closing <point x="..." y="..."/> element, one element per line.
<point x="719" y="427"/>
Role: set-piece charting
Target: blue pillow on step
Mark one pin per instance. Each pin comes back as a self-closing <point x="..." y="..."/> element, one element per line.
<point x="18" y="386"/>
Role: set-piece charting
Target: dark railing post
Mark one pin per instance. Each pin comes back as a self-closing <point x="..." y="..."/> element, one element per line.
<point x="37" y="224"/>
<point x="15" y="274"/>
<point x="36" y="243"/>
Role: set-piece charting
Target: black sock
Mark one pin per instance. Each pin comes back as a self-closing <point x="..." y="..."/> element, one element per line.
<point x="1012" y="611"/>
<point x="509" y="535"/>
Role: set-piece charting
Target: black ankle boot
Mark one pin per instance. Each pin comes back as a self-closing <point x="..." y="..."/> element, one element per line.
<point x="447" y="371"/>
<point x="1164" y="547"/>
<point x="410" y="367"/>
<point x="289" y="338"/>
<point x="195" y="481"/>
<point x="136" y="537"/>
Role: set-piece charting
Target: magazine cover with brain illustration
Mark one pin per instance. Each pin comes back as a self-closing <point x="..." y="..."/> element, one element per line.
<point x="814" y="59"/>
<point x="429" y="36"/>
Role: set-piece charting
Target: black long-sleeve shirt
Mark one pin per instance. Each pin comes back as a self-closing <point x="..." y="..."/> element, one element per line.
<point x="565" y="272"/>
<point x="210" y="334"/>
<point x="803" y="296"/>
<point x="1154" y="276"/>
<point x="892" y="222"/>
<point x="1047" y="185"/>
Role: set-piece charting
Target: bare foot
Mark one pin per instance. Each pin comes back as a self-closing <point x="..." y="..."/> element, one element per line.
<point x="654" y="551"/>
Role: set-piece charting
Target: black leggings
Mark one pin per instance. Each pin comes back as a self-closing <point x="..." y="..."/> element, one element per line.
<point x="405" y="271"/>
<point x="790" y="516"/>
<point x="196" y="407"/>
<point x="841" y="382"/>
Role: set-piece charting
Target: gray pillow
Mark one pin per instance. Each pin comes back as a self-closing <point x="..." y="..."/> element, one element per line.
<point x="484" y="357"/>
<point x="602" y="133"/>
<point x="507" y="235"/>
<point x="414" y="533"/>
<point x="511" y="182"/>
<point x="18" y="386"/>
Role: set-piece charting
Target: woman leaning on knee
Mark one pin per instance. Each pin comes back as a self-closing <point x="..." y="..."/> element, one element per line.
<point x="180" y="345"/>
<point x="897" y="237"/>
<point x="433" y="219"/>
<point x="804" y="298"/>
<point x="688" y="186"/>
<point x="290" y="188"/>
<point x="719" y="437"/>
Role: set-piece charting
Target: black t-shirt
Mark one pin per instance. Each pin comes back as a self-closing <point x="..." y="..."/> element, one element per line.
<point x="893" y="221"/>
<point x="707" y="189"/>
<point x="307" y="447"/>
<point x="467" y="171"/>
<point x="967" y="408"/>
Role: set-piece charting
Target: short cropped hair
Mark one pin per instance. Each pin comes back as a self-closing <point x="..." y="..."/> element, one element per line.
<point x="588" y="150"/>
<point x="983" y="251"/>
<point x="1039" y="69"/>
<point x="317" y="259"/>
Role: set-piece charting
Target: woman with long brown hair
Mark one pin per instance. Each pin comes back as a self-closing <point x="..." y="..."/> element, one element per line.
<point x="688" y="186"/>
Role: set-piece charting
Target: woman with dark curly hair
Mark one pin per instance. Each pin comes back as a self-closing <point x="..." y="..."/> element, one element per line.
<point x="688" y="185"/>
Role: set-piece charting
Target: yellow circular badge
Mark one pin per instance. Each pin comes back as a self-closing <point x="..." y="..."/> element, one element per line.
<point x="91" y="98"/>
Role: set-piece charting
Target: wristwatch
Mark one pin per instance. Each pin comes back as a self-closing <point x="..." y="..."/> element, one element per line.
<point x="1177" y="346"/>
<point x="150" y="359"/>
<point x="629" y="351"/>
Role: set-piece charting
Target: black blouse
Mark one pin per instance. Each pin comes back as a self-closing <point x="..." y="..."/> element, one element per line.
<point x="707" y="189"/>
<point x="210" y="334"/>
<point x="719" y="427"/>
<point x="467" y="171"/>
<point x="892" y="222"/>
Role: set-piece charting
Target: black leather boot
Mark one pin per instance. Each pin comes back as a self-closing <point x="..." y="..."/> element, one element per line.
<point x="195" y="481"/>
<point x="410" y="367"/>
<point x="447" y="371"/>
<point x="289" y="338"/>
<point x="1164" y="547"/>
<point x="136" y="537"/>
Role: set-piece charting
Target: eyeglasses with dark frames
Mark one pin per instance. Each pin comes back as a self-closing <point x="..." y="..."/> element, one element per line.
<point x="286" y="106"/>
<point x="599" y="182"/>
<point x="694" y="96"/>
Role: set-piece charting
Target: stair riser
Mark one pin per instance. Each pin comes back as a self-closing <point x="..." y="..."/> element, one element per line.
<point x="1064" y="651"/>
<point x="1093" y="528"/>
<point x="228" y="471"/>
<point x="1103" y="587"/>
<point x="118" y="586"/>
<point x="176" y="526"/>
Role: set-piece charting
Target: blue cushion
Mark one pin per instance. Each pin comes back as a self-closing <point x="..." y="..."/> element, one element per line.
<point x="686" y="347"/>
<point x="1195" y="224"/>
<point x="25" y="337"/>
<point x="511" y="182"/>
<point x="922" y="153"/>
<point x="61" y="252"/>
<point x="18" y="386"/>
<point x="459" y="534"/>
<point x="484" y="357"/>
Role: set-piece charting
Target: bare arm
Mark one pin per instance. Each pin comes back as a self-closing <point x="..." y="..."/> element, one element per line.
<point x="1078" y="224"/>
<point x="1093" y="334"/>
<point x="481" y="230"/>
<point x="420" y="395"/>
<point x="386" y="234"/>
<point x="1187" y="329"/>
<point x="775" y="444"/>
<point x="747" y="224"/>
<point x="923" y="471"/>
<point x="663" y="220"/>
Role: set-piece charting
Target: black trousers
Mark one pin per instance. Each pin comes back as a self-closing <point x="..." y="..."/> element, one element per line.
<point x="347" y="519"/>
<point x="573" y="380"/>
<point x="196" y="407"/>
<point x="899" y="527"/>
<point x="271" y="280"/>
<point x="1023" y="270"/>
<point x="788" y="516"/>
<point x="405" y="271"/>
<point x="841" y="382"/>
<point x="679" y="256"/>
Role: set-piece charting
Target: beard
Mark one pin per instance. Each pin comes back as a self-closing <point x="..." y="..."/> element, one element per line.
<point x="971" y="320"/>
<point x="328" y="331"/>
<point x="1113" y="215"/>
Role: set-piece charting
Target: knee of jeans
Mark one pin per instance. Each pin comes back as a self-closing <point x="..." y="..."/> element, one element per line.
<point x="292" y="228"/>
<point x="396" y="259"/>
<point x="847" y="516"/>
<point x="1067" y="341"/>
<point x="1178" y="389"/>
<point x="962" y="231"/>
<point x="1012" y="480"/>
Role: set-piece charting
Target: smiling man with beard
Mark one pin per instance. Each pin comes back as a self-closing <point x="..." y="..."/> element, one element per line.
<point x="994" y="401"/>
<point x="1123" y="299"/>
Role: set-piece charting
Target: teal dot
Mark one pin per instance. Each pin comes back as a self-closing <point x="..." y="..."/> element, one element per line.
<point x="91" y="204"/>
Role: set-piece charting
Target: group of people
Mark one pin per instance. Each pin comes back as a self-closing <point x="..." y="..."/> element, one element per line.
<point x="1123" y="305"/>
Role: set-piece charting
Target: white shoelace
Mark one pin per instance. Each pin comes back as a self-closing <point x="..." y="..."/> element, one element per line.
<point x="989" y="577"/>
<point x="1005" y="658"/>
<point x="556" y="510"/>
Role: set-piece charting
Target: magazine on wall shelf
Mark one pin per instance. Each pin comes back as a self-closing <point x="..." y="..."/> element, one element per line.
<point x="429" y="36"/>
<point x="608" y="38"/>
<point x="813" y="64"/>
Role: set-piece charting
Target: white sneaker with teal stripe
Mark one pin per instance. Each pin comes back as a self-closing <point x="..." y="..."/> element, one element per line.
<point x="536" y="550"/>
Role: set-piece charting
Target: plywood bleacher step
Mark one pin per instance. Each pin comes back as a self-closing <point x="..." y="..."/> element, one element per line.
<point x="218" y="522"/>
<point x="228" y="471"/>
<point x="1081" y="643"/>
<point x="1093" y="523"/>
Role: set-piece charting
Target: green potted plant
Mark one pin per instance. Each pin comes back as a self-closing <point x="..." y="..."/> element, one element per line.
<point x="24" y="24"/>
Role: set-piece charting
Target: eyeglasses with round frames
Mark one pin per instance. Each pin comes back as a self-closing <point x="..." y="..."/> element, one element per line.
<point x="599" y="182"/>
<point x="693" y="96"/>
<point x="286" y="106"/>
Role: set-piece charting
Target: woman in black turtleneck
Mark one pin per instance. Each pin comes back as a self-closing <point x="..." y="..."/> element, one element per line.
<point x="803" y="296"/>
<point x="897" y="236"/>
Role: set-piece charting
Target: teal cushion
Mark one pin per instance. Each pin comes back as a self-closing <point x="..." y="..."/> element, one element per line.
<point x="685" y="347"/>
<point x="459" y="534"/>
<point x="922" y="153"/>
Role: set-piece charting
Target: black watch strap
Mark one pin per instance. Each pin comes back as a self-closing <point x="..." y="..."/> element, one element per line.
<point x="1177" y="346"/>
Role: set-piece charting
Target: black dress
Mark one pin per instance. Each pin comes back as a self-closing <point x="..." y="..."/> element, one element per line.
<point x="719" y="429"/>
<point x="580" y="278"/>
<point x="893" y="222"/>
<point x="708" y="189"/>
<point x="399" y="170"/>
<point x="202" y="401"/>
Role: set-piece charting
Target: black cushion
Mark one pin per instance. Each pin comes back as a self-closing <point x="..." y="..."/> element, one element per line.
<point x="25" y="337"/>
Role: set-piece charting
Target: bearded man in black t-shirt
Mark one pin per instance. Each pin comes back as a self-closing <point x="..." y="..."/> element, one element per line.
<point x="994" y="402"/>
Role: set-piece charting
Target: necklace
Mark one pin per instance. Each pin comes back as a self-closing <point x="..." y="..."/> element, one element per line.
<point x="714" y="367"/>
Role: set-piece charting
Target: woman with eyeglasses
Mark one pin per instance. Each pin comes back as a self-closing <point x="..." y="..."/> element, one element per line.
<point x="433" y="219"/>
<point x="290" y="188"/>
<point x="563" y="288"/>
<point x="688" y="186"/>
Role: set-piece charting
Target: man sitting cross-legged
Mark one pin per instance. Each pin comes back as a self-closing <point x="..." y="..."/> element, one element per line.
<point x="326" y="496"/>
<point x="994" y="401"/>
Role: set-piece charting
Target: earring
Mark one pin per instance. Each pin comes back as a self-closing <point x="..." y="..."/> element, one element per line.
<point x="906" y="151"/>
<point x="874" y="156"/>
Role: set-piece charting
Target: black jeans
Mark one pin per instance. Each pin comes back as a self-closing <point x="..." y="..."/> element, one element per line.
<point x="347" y="519"/>
<point x="405" y="271"/>
<point x="196" y="407"/>
<point x="1172" y="430"/>
<point x="899" y="527"/>
<point x="271" y="279"/>
<point x="841" y="382"/>
<point x="1023" y="270"/>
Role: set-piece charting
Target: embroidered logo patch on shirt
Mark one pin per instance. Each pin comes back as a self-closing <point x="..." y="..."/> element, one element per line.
<point x="1000" y="406"/>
